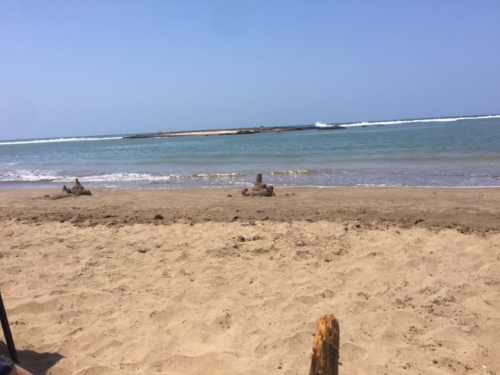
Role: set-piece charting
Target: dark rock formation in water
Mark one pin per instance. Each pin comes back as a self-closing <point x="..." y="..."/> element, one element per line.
<point x="262" y="129"/>
<point x="259" y="189"/>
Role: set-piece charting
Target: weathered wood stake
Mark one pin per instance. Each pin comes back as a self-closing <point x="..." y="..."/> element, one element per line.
<point x="325" y="357"/>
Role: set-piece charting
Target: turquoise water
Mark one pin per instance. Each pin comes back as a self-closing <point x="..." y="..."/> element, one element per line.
<point x="439" y="152"/>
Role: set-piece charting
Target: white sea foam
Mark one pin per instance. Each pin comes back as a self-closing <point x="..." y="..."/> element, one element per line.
<point x="398" y="122"/>
<point x="220" y="175"/>
<point x="54" y="140"/>
<point x="29" y="175"/>
<point x="55" y="176"/>
<point x="321" y="125"/>
<point x="128" y="177"/>
<point x="303" y="172"/>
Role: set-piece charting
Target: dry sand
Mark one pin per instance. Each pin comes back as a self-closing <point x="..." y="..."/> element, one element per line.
<point x="233" y="285"/>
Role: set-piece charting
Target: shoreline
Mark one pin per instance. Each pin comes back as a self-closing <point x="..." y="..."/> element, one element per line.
<point x="468" y="209"/>
<point x="28" y="185"/>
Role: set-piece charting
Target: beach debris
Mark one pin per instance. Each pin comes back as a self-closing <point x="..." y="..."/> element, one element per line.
<point x="77" y="189"/>
<point x="325" y="356"/>
<point x="158" y="217"/>
<point x="259" y="189"/>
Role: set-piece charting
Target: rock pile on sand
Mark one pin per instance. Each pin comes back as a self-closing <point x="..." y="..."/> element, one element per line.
<point x="259" y="189"/>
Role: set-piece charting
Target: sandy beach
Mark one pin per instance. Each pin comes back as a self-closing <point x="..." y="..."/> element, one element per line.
<point x="224" y="284"/>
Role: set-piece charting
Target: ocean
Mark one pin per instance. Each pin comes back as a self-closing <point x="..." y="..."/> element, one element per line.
<point x="443" y="152"/>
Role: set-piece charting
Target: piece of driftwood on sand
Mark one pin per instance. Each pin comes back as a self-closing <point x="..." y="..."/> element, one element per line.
<point x="325" y="356"/>
<point x="259" y="189"/>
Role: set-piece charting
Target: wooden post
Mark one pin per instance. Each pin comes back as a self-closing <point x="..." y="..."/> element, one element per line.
<point x="6" y="332"/>
<point x="325" y="356"/>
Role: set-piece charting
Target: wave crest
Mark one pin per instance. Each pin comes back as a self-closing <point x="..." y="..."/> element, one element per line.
<point x="220" y="175"/>
<point x="57" y="140"/>
<point x="322" y="125"/>
<point x="298" y="172"/>
<point x="398" y="122"/>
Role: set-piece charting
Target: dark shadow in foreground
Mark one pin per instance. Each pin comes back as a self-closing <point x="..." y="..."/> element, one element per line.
<point x="37" y="363"/>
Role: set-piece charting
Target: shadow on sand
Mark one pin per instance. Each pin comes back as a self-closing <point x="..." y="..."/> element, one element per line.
<point x="37" y="363"/>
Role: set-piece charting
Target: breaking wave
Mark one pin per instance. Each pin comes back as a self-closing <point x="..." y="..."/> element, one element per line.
<point x="297" y="172"/>
<point x="398" y="122"/>
<point x="321" y="125"/>
<point x="29" y="176"/>
<point x="56" y="176"/>
<point x="220" y="175"/>
<point x="55" y="140"/>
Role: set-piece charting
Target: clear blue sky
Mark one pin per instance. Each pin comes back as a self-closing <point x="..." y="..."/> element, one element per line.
<point x="112" y="67"/>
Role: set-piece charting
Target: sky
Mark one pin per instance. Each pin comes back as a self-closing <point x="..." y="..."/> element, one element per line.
<point x="74" y="68"/>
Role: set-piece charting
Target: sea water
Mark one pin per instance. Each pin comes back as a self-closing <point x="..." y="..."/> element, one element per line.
<point x="454" y="152"/>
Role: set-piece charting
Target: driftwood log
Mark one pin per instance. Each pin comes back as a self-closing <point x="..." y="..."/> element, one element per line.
<point x="325" y="356"/>
<point x="259" y="189"/>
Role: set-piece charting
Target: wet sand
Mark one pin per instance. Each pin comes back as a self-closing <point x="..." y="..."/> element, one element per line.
<point x="225" y="284"/>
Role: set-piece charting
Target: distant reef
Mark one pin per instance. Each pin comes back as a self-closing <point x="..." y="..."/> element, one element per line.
<point x="262" y="129"/>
